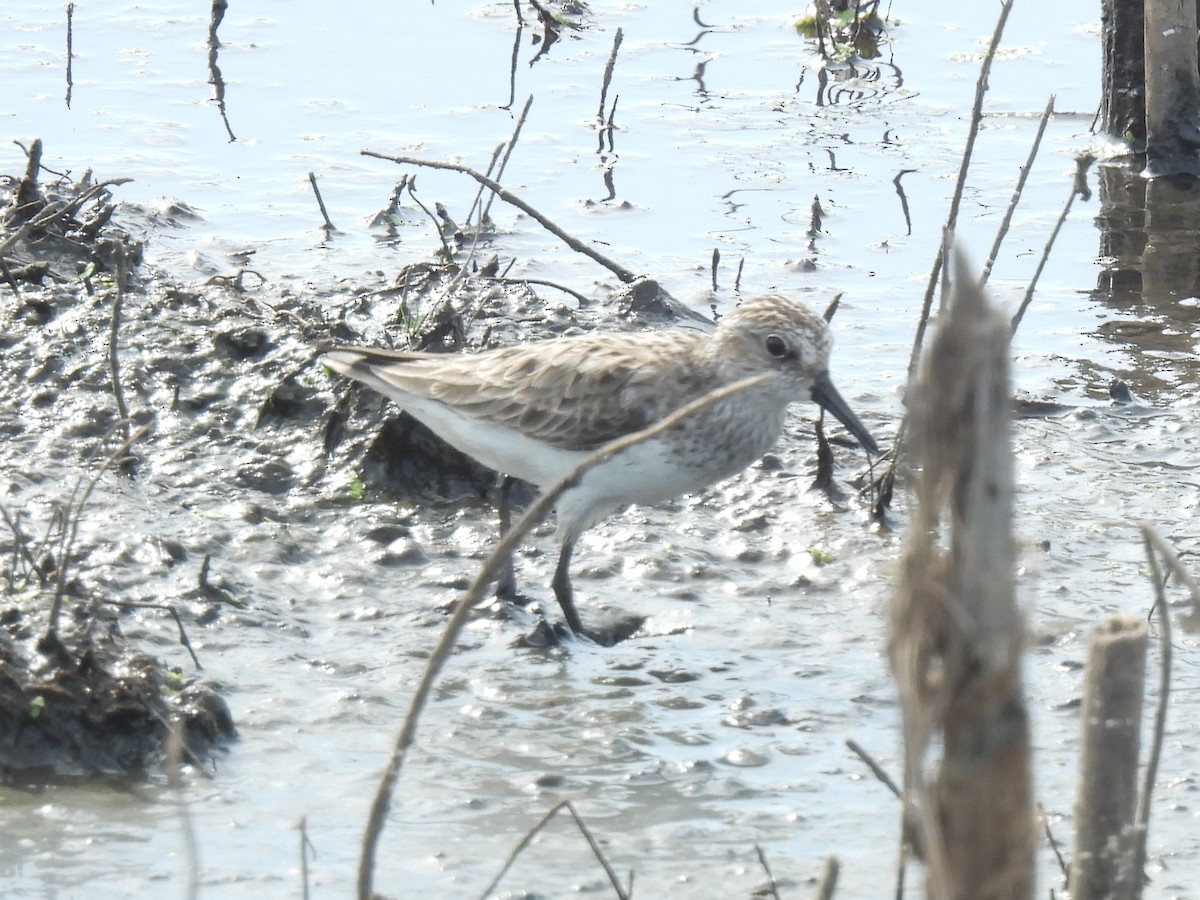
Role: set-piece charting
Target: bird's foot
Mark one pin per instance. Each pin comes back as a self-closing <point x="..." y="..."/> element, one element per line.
<point x="558" y="634"/>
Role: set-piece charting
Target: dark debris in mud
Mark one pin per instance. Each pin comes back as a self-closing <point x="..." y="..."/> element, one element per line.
<point x="59" y="229"/>
<point x="83" y="704"/>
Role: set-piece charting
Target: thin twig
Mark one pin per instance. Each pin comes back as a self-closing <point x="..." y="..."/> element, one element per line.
<point x="71" y="528"/>
<point x="21" y="549"/>
<point x="981" y="87"/>
<point x="487" y="573"/>
<point x="1062" y="863"/>
<point x="876" y="769"/>
<point x="1016" y="197"/>
<point x="1078" y="188"/>
<point x="479" y="195"/>
<point x="1154" y="542"/>
<point x="771" y="889"/>
<point x="447" y="254"/>
<point x="512" y="199"/>
<point x="552" y="284"/>
<point x="113" y="330"/>
<point x="183" y="637"/>
<point x="487" y="207"/>
<point x="305" y="846"/>
<point x="620" y="891"/>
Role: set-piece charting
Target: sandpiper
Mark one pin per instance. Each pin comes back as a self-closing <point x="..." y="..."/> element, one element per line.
<point x="534" y="411"/>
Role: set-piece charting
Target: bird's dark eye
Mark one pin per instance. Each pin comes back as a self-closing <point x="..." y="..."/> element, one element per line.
<point x="776" y="346"/>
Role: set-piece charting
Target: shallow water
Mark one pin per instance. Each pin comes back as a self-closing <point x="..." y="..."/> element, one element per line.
<point x="724" y="726"/>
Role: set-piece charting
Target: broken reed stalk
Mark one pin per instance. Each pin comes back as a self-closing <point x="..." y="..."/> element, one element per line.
<point x="1105" y="836"/>
<point x="508" y="151"/>
<point x="513" y="200"/>
<point x="488" y="572"/>
<point x="1017" y="191"/>
<point x="981" y="87"/>
<point x="607" y="80"/>
<point x="957" y="632"/>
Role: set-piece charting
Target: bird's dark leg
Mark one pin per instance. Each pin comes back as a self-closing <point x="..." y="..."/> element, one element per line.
<point x="562" y="588"/>
<point x="506" y="581"/>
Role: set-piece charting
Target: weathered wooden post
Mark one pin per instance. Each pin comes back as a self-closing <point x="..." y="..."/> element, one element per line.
<point x="1172" y="89"/>
<point x="957" y="633"/>
<point x="1151" y="85"/>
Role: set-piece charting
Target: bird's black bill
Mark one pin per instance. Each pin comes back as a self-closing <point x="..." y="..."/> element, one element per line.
<point x="826" y="396"/>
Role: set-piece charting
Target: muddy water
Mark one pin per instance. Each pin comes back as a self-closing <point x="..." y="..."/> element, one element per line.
<point x="723" y="726"/>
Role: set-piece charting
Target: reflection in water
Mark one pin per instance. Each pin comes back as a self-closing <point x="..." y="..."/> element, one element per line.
<point x="1149" y="231"/>
<point x="214" y="71"/>
<point x="854" y="84"/>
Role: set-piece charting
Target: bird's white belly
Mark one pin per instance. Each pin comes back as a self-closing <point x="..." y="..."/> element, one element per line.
<point x="497" y="447"/>
<point x="648" y="473"/>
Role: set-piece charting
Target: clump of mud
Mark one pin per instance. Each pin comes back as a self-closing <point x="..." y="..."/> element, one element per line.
<point x="84" y="703"/>
<point x="77" y="699"/>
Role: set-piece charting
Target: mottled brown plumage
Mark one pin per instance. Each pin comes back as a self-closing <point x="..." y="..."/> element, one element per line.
<point x="534" y="411"/>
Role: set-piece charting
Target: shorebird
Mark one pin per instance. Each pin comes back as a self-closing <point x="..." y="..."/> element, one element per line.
<point x="534" y="411"/>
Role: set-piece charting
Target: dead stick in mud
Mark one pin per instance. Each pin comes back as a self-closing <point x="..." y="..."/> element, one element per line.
<point x="1078" y="188"/>
<point x="70" y="49"/>
<point x="487" y="573"/>
<point x="1017" y="191"/>
<point x="487" y="207"/>
<point x="27" y="187"/>
<point x="114" y="364"/>
<point x="607" y="80"/>
<point x="513" y="200"/>
<point x="312" y="179"/>
<point x="9" y="278"/>
<point x="621" y="892"/>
